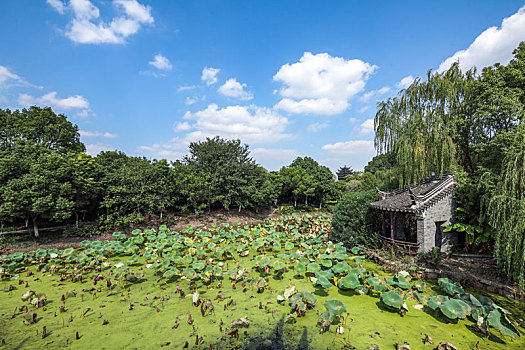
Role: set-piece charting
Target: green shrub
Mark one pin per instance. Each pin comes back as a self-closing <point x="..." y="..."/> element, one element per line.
<point x="432" y="258"/>
<point x="83" y="230"/>
<point x="352" y="220"/>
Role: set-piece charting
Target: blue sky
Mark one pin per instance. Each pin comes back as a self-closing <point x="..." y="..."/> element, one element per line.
<point x="289" y="78"/>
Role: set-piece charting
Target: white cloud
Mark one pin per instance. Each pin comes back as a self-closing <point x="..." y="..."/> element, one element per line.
<point x="350" y="147"/>
<point x="251" y="124"/>
<point x="274" y="158"/>
<point x="96" y="148"/>
<point x="8" y="78"/>
<point x="209" y="75"/>
<point x="188" y="87"/>
<point x="233" y="88"/>
<point x="367" y="126"/>
<point x="161" y="62"/>
<point x="355" y="153"/>
<point x="50" y="99"/>
<point x="171" y="150"/>
<point x="86" y="28"/>
<point x="366" y="96"/>
<point x="6" y="74"/>
<point x="321" y="84"/>
<point x="405" y="82"/>
<point x="494" y="45"/>
<point x="322" y="106"/>
<point x="314" y="127"/>
<point x="182" y="126"/>
<point x="352" y="119"/>
<point x="86" y="133"/>
<point x="58" y="5"/>
<point x="362" y="110"/>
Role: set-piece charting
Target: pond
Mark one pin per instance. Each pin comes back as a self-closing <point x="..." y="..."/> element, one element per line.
<point x="236" y="286"/>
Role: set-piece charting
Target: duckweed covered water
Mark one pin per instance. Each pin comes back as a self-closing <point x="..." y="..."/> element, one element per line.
<point x="132" y="305"/>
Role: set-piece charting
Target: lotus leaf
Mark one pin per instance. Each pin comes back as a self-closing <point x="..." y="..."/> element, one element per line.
<point x="324" y="282"/>
<point x="393" y="299"/>
<point x="313" y="267"/>
<point x="300" y="268"/>
<point x="377" y="284"/>
<point x="288" y="246"/>
<point x="419" y="286"/>
<point x="435" y="301"/>
<point x="350" y="281"/>
<point x="326" y="263"/>
<point x="335" y="307"/>
<point x="325" y="273"/>
<point x="499" y="321"/>
<point x="355" y="250"/>
<point x="455" y="308"/>
<point x="450" y="287"/>
<point x="399" y="281"/>
<point x="340" y="267"/>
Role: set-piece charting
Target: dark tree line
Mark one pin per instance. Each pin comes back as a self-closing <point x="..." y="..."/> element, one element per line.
<point x="45" y="176"/>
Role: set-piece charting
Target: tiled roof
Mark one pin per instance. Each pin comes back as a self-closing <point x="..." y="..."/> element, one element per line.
<point x="416" y="198"/>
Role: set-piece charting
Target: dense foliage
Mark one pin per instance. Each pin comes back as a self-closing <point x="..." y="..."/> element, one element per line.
<point x="472" y="125"/>
<point x="352" y="219"/>
<point x="45" y="176"/>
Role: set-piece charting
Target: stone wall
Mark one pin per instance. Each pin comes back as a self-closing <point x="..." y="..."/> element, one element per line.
<point x="444" y="212"/>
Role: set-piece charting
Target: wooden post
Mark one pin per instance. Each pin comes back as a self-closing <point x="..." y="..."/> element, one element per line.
<point x="383" y="223"/>
<point x="392" y="224"/>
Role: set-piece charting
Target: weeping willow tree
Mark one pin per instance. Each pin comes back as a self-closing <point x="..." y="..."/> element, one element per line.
<point x="506" y="211"/>
<point x="419" y="126"/>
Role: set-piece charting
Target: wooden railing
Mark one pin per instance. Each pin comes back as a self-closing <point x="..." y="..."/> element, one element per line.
<point x="399" y="246"/>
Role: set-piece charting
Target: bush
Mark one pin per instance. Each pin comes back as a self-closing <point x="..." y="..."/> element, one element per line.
<point x="83" y="230"/>
<point x="352" y="219"/>
<point x="432" y="258"/>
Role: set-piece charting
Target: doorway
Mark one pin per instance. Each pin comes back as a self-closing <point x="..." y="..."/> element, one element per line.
<point x="438" y="237"/>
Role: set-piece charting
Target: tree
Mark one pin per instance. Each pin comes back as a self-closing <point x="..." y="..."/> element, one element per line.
<point x="39" y="125"/>
<point x="228" y="166"/>
<point x="44" y="188"/>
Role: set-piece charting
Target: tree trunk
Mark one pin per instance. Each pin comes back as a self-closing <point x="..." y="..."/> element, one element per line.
<point x="35" y="227"/>
<point x="240" y="206"/>
<point x="27" y="222"/>
<point x="76" y="219"/>
<point x="161" y="210"/>
<point x="306" y="200"/>
<point x="295" y="203"/>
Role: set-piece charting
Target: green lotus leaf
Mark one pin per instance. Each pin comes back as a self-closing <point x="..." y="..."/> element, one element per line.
<point x="300" y="268"/>
<point x="132" y="260"/>
<point x="435" y="301"/>
<point x="393" y="299"/>
<point x="419" y="286"/>
<point x="199" y="265"/>
<point x="340" y="267"/>
<point x="136" y="232"/>
<point x="399" y="281"/>
<point x="355" y="250"/>
<point x="377" y="284"/>
<point x="335" y="307"/>
<point x="469" y="299"/>
<point x="42" y="253"/>
<point x="450" y="287"/>
<point x="455" y="308"/>
<point x="277" y="246"/>
<point x="350" y="281"/>
<point x="277" y="264"/>
<point x="304" y="261"/>
<point x="481" y="312"/>
<point x="189" y="273"/>
<point x="326" y="263"/>
<point x="357" y="271"/>
<point x="67" y="252"/>
<point x="288" y="246"/>
<point x="324" y="282"/>
<point x="313" y="267"/>
<point x="325" y="273"/>
<point x="171" y="273"/>
<point x="85" y="244"/>
<point x="499" y="321"/>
